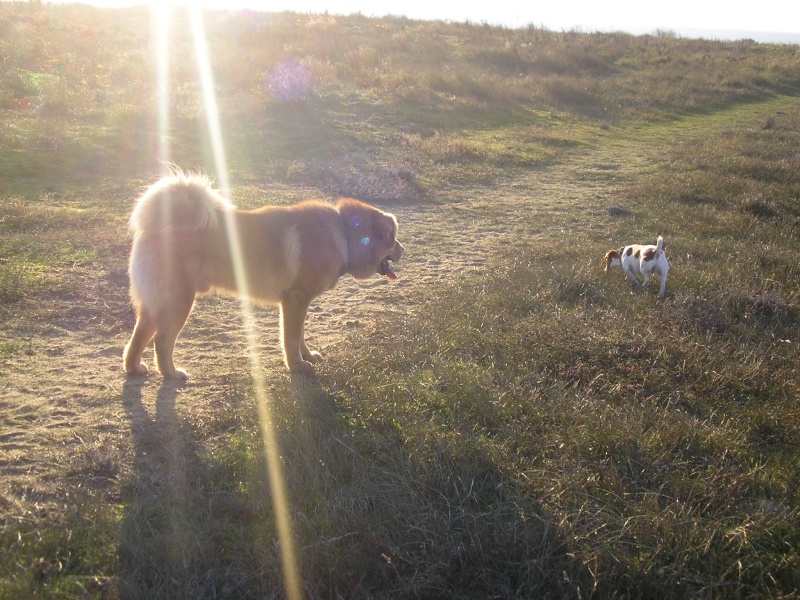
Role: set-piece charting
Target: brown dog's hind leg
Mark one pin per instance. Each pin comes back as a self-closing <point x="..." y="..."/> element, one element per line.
<point x="142" y="334"/>
<point x="168" y="327"/>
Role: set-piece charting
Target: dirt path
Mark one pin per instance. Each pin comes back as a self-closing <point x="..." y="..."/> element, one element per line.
<point x="70" y="422"/>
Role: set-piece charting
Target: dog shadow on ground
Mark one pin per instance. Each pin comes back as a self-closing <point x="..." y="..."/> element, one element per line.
<point x="159" y="531"/>
<point x="160" y="442"/>
<point x="176" y="503"/>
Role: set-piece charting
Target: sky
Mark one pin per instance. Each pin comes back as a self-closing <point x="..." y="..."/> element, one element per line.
<point x="719" y="19"/>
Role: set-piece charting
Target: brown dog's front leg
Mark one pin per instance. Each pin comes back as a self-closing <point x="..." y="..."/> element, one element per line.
<point x="294" y="306"/>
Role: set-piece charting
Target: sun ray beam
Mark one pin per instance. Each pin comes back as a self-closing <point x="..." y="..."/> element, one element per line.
<point x="291" y="572"/>
<point x="161" y="25"/>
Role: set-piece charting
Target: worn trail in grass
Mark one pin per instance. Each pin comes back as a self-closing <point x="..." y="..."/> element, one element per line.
<point x="74" y="431"/>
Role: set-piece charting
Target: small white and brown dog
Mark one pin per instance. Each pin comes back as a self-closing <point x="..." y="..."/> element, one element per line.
<point x="644" y="260"/>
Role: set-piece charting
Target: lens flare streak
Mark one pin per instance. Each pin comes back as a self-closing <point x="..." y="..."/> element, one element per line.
<point x="291" y="572"/>
<point x="161" y="26"/>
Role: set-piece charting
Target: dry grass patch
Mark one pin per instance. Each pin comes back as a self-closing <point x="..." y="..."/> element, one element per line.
<point x="535" y="429"/>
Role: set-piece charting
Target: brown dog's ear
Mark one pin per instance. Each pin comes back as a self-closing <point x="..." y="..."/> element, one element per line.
<point x="385" y="228"/>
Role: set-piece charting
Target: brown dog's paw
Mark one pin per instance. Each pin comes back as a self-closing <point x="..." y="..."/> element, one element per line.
<point x="313" y="357"/>
<point x="176" y="375"/>
<point x="137" y="371"/>
<point x="179" y="375"/>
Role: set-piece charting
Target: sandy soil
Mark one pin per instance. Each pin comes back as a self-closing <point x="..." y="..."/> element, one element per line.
<point x="71" y="422"/>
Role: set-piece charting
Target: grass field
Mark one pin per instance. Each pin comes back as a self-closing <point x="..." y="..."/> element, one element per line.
<point x="506" y="420"/>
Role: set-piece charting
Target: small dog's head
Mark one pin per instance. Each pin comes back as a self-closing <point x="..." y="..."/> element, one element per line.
<point x="613" y="259"/>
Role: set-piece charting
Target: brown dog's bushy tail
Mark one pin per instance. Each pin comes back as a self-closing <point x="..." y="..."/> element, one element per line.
<point x="178" y="201"/>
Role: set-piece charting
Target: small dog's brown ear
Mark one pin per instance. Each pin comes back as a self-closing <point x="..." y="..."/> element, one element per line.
<point x="610" y="255"/>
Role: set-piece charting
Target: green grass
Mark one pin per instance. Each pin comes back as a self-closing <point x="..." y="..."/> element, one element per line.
<point x="532" y="429"/>
<point x="661" y="444"/>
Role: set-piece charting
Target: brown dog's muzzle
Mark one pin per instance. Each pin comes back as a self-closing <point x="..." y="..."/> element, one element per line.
<point x="385" y="268"/>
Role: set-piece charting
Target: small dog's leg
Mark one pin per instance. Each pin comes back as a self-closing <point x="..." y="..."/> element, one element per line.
<point x="632" y="278"/>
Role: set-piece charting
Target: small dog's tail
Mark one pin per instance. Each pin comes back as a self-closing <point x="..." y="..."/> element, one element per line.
<point x="178" y="201"/>
<point x="659" y="246"/>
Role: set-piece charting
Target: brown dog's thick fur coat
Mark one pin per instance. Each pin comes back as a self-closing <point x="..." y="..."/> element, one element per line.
<point x="188" y="239"/>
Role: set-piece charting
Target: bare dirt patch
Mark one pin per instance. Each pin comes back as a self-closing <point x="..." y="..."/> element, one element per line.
<point x="70" y="418"/>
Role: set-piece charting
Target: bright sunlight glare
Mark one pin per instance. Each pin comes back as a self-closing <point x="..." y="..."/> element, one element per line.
<point x="162" y="12"/>
<point x="161" y="17"/>
<point x="715" y="19"/>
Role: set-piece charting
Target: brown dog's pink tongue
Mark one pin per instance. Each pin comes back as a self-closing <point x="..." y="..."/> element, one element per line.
<point x="386" y="269"/>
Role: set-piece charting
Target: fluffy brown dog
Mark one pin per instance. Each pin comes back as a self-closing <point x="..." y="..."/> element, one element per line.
<point x="188" y="239"/>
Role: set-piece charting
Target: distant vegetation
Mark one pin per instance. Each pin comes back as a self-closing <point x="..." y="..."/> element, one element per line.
<point x="532" y="429"/>
<point x="81" y="85"/>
